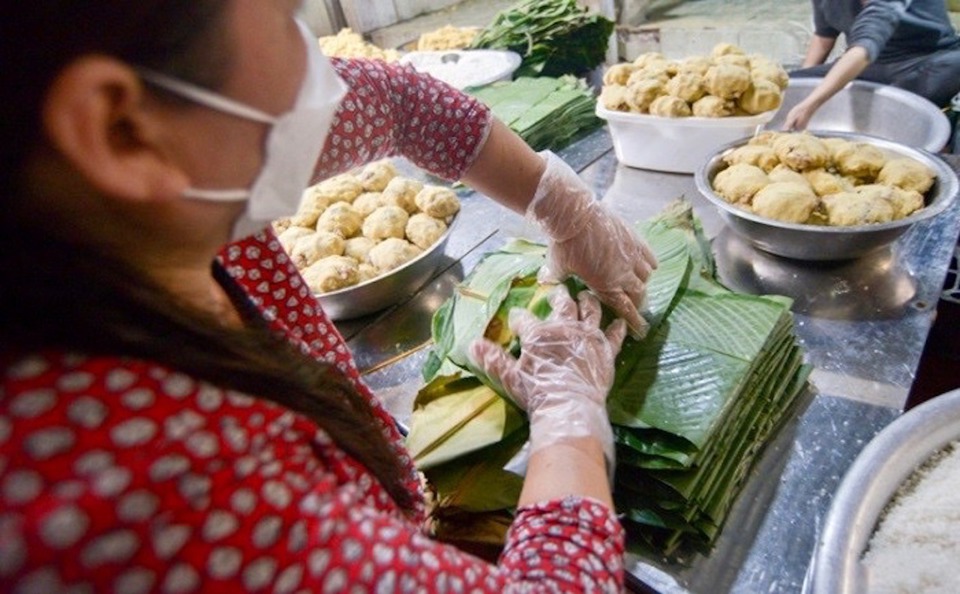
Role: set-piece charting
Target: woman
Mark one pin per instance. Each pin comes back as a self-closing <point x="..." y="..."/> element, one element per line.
<point x="911" y="45"/>
<point x="176" y="413"/>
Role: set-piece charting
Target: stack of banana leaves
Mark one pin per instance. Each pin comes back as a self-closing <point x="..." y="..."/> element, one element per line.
<point x="546" y="112"/>
<point x="693" y="404"/>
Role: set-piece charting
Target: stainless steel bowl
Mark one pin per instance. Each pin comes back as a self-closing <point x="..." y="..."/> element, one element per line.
<point x="869" y="108"/>
<point x="870" y="484"/>
<point x="387" y="289"/>
<point x="816" y="242"/>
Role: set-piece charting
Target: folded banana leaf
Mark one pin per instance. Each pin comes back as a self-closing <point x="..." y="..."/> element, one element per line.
<point x="692" y="405"/>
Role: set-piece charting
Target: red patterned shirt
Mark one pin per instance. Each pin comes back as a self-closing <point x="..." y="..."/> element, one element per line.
<point x="125" y="476"/>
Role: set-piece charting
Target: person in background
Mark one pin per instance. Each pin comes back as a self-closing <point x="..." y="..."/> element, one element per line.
<point x="907" y="44"/>
<point x="177" y="414"/>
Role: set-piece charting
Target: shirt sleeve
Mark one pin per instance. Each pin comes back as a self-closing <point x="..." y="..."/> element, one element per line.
<point x="876" y="24"/>
<point x="820" y="25"/>
<point x="392" y="110"/>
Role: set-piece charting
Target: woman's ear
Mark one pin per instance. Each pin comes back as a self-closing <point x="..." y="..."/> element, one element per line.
<point x="94" y="114"/>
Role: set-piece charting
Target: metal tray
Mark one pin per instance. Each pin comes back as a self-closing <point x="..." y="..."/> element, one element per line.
<point x="387" y="289"/>
<point x="869" y="485"/>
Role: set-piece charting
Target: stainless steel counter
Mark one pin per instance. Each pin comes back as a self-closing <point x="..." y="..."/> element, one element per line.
<point x="863" y="325"/>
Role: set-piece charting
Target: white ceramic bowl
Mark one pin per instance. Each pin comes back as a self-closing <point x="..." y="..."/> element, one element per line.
<point x="820" y="242"/>
<point x="675" y="145"/>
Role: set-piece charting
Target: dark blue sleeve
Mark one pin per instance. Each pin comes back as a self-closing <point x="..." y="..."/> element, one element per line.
<point x="875" y="25"/>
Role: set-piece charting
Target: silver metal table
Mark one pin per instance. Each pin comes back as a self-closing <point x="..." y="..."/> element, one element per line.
<point x="862" y="324"/>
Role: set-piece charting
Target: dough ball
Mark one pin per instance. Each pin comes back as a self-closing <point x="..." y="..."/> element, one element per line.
<point x="281" y="225"/>
<point x="618" y="74"/>
<point x="385" y="222"/>
<point x="424" y="230"/>
<point x="734" y="60"/>
<point x="649" y="58"/>
<point x="669" y="106"/>
<point x="367" y="272"/>
<point x="401" y="192"/>
<point x="765" y="138"/>
<point x="738" y="183"/>
<point x="614" y="97"/>
<point x="785" y="201"/>
<point x="290" y="236"/>
<point x="358" y="248"/>
<point x="314" y="247"/>
<point x="438" y="202"/>
<point x="316" y="199"/>
<point x="656" y="71"/>
<point x="762" y="95"/>
<point x="905" y="202"/>
<point x="366" y="203"/>
<point x="687" y="86"/>
<point x="825" y="183"/>
<point x="727" y="81"/>
<point x="696" y="64"/>
<point x="834" y="144"/>
<point x="859" y="159"/>
<point x="782" y="173"/>
<point x="726" y="49"/>
<point x="753" y="154"/>
<point x="711" y="106"/>
<point x="340" y="218"/>
<point x="906" y="173"/>
<point x="392" y="252"/>
<point x="767" y="69"/>
<point x="856" y="208"/>
<point x="331" y="273"/>
<point x="801" y="151"/>
<point x="641" y="94"/>
<point x="375" y="176"/>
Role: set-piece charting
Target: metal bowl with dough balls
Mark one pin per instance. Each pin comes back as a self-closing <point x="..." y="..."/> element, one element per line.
<point x="387" y="289"/>
<point x="822" y="242"/>
<point x="870" y="108"/>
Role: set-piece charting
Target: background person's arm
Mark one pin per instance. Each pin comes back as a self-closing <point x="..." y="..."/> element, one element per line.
<point x="818" y="50"/>
<point x="847" y="68"/>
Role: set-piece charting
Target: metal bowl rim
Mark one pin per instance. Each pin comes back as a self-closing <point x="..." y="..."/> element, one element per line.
<point x="895" y="452"/>
<point x="945" y="177"/>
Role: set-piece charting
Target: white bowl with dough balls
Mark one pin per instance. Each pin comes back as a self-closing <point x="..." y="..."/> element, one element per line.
<point x="825" y="239"/>
<point x="674" y="145"/>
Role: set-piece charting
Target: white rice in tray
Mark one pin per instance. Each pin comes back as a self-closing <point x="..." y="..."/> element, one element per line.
<point x="916" y="546"/>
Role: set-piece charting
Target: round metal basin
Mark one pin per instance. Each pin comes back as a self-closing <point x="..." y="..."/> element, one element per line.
<point x="818" y="242"/>
<point x="870" y="108"/>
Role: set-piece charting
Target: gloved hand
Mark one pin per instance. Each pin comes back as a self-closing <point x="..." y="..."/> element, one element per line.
<point x="587" y="240"/>
<point x="564" y="373"/>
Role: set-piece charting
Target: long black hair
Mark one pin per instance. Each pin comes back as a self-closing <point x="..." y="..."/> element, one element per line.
<point x="55" y="294"/>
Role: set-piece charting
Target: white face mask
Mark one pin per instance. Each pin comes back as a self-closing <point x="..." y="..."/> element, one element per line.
<point x="293" y="143"/>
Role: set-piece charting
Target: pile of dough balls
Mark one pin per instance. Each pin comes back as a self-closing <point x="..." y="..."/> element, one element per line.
<point x="349" y="44"/>
<point x="357" y="226"/>
<point x="726" y="83"/>
<point x="797" y="177"/>
<point x="447" y="38"/>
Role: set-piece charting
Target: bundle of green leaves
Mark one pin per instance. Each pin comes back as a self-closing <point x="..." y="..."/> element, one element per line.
<point x="692" y="406"/>
<point x="546" y="112"/>
<point x="553" y="37"/>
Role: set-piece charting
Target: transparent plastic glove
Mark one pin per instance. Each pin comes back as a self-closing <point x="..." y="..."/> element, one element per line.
<point x="564" y="372"/>
<point x="588" y="241"/>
